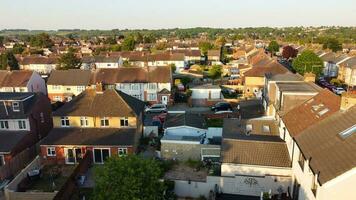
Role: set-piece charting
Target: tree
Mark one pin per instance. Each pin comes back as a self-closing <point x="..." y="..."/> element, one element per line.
<point x="69" y="60"/>
<point x="205" y="47"/>
<point x="215" y="72"/>
<point x="41" y="40"/>
<point x="332" y="44"/>
<point x="1" y="40"/>
<point x="273" y="47"/>
<point x="289" y="52"/>
<point x="308" y="61"/>
<point x="140" y="177"/>
<point x="110" y="40"/>
<point x="220" y="41"/>
<point x="18" y="48"/>
<point x="8" y="60"/>
<point x="128" y="44"/>
<point x="173" y="67"/>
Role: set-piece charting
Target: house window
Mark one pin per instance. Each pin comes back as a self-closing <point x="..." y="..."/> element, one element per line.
<point x="16" y="106"/>
<point x="84" y="122"/>
<point x="104" y="122"/>
<point x="124" y="122"/>
<point x="134" y="87"/>
<point x="100" y="155"/>
<point x="22" y="124"/>
<point x="4" y="125"/>
<point x="68" y="88"/>
<point x="265" y="128"/>
<point x="2" y="160"/>
<point x="80" y="88"/>
<point x="56" y="87"/>
<point x="301" y="161"/>
<point x="122" y="152"/>
<point x="152" y="86"/>
<point x="65" y="121"/>
<point x="152" y="97"/>
<point x="137" y="96"/>
<point x="109" y="65"/>
<point x="51" y="151"/>
<point x="57" y="98"/>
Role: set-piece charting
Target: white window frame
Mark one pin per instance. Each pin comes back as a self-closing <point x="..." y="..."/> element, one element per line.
<point x="17" y="107"/>
<point x="103" y="119"/>
<point x="51" y="151"/>
<point x="4" y="124"/>
<point x="85" y="120"/>
<point x="124" y="120"/>
<point x="56" y="87"/>
<point x="80" y="88"/>
<point x="122" y="152"/>
<point x="21" y="124"/>
<point x="151" y="97"/>
<point x="101" y="150"/>
<point x="57" y="98"/>
<point x="65" y="119"/>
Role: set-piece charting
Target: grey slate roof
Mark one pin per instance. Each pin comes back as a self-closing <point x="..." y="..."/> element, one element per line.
<point x="9" y="139"/>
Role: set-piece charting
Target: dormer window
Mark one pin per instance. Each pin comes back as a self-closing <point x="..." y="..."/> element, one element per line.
<point x="16" y="106"/>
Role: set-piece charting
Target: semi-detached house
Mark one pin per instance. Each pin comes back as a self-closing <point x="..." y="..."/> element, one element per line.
<point x="105" y="122"/>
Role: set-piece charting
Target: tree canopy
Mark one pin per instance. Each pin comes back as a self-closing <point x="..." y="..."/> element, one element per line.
<point x="128" y="44"/>
<point x="332" y="44"/>
<point x="42" y="40"/>
<point x="308" y="61"/>
<point x="273" y="47"/>
<point x="18" y="48"/>
<point x="8" y="59"/>
<point x="289" y="52"/>
<point x="128" y="178"/>
<point x="215" y="72"/>
<point x="69" y="60"/>
<point x="205" y="47"/>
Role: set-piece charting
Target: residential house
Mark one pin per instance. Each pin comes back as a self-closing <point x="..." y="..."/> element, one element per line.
<point x="254" y="78"/>
<point x="151" y="84"/>
<point x="323" y="162"/>
<point x="206" y="95"/>
<point x="347" y="72"/>
<point x="283" y="92"/>
<point x="21" y="81"/>
<point x="107" y="62"/>
<point x="25" y="118"/>
<point x="41" y="64"/>
<point x="62" y="85"/>
<point x="331" y="63"/>
<point x="190" y="56"/>
<point x="214" y="56"/>
<point x="255" y="157"/>
<point x="185" y="137"/>
<point x="106" y="122"/>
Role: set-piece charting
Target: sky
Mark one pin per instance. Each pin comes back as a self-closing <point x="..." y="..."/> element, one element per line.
<point x="155" y="14"/>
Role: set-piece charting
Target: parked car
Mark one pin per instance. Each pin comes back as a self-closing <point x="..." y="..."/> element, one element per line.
<point x="157" y="108"/>
<point x="338" y="90"/>
<point x="331" y="87"/>
<point x="221" y="106"/>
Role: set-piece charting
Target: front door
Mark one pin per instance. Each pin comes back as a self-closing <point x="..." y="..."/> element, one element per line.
<point x="164" y="99"/>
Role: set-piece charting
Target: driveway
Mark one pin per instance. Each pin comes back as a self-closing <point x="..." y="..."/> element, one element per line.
<point x="185" y="107"/>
